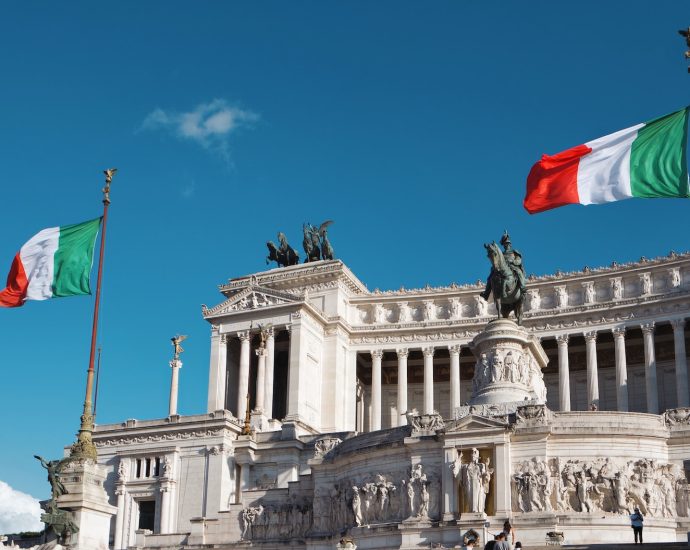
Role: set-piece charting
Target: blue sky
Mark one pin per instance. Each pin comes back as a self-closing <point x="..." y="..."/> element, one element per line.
<point x="412" y="126"/>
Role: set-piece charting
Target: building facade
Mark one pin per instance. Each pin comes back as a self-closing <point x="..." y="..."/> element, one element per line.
<point x="360" y="407"/>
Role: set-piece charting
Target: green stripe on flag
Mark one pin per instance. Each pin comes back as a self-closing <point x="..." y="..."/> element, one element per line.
<point x="658" y="167"/>
<point x="74" y="258"/>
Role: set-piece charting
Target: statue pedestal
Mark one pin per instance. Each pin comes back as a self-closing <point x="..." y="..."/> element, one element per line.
<point x="509" y="365"/>
<point x="88" y="502"/>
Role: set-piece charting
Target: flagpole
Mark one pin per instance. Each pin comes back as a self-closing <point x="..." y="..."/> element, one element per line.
<point x="84" y="447"/>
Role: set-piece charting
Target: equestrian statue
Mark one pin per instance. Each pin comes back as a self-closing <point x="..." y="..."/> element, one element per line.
<point x="506" y="281"/>
<point x="316" y="243"/>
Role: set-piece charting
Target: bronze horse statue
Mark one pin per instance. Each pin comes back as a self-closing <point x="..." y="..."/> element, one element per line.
<point x="284" y="255"/>
<point x="504" y="284"/>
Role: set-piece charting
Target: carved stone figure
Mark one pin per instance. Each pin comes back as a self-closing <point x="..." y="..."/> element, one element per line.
<point x="646" y="284"/>
<point x="429" y="310"/>
<point x="455" y="308"/>
<point x="534" y="300"/>
<point x="496" y="367"/>
<point x="507" y="280"/>
<point x="379" y="314"/>
<point x="403" y="312"/>
<point x="122" y="470"/>
<point x="480" y="306"/>
<point x="561" y="297"/>
<point x="589" y="292"/>
<point x="674" y="274"/>
<point x="475" y="478"/>
<point x="616" y="288"/>
<point x="357" y="505"/>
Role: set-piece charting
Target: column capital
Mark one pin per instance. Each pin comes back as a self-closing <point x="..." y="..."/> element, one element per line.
<point x="647" y="328"/>
<point x="678" y="324"/>
<point x="402" y="352"/>
<point x="223" y="338"/>
<point x="618" y="332"/>
<point x="376" y="353"/>
<point x="428" y="351"/>
<point x="562" y="339"/>
<point x="269" y="331"/>
<point x="243" y="335"/>
<point x="455" y="350"/>
<point x="590" y="336"/>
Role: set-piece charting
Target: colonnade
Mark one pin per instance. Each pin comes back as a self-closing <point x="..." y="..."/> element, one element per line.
<point x="651" y="388"/>
<point x="402" y="393"/>
<point x="564" y="375"/>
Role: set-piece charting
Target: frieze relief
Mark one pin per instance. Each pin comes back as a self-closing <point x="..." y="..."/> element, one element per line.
<point x="351" y="502"/>
<point x="615" y="486"/>
<point x="168" y="436"/>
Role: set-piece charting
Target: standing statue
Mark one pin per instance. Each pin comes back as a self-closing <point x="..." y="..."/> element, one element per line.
<point x="284" y="255"/>
<point x="506" y="281"/>
<point x="315" y="242"/>
<point x="475" y="478"/>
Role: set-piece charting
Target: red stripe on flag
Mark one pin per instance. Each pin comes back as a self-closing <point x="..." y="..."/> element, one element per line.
<point x="17" y="285"/>
<point x="552" y="181"/>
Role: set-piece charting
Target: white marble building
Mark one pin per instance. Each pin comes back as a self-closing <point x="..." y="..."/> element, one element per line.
<point x="332" y="450"/>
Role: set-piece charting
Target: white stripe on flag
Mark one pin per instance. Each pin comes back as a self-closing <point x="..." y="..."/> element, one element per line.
<point x="604" y="174"/>
<point x="37" y="257"/>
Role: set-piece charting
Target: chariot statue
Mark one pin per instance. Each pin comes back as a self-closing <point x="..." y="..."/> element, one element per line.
<point x="316" y="244"/>
<point x="284" y="255"/>
<point x="506" y="281"/>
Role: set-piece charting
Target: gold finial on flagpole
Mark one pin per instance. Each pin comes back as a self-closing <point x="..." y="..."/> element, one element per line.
<point x="109" y="173"/>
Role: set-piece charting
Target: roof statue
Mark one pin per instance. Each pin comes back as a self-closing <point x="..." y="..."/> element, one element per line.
<point x="316" y="243"/>
<point x="506" y="281"/>
<point x="284" y="255"/>
<point x="686" y="33"/>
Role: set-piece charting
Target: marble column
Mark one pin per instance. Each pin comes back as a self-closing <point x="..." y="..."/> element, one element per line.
<point x="454" y="378"/>
<point x="375" y="420"/>
<point x="592" y="369"/>
<point x="217" y="372"/>
<point x="243" y="388"/>
<point x="681" y="362"/>
<point x="260" y="379"/>
<point x="448" y="485"/>
<point x="428" y="380"/>
<point x="175" y="365"/>
<point x="120" y="517"/>
<point x="563" y="373"/>
<point x="650" y="368"/>
<point x="270" y="362"/>
<point x="621" y="369"/>
<point x="402" y="385"/>
<point x="165" y="509"/>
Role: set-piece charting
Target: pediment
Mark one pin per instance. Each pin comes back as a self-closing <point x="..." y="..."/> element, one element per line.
<point x="473" y="423"/>
<point x="251" y="298"/>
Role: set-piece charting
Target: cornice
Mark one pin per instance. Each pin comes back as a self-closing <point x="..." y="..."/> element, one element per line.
<point x="300" y="276"/>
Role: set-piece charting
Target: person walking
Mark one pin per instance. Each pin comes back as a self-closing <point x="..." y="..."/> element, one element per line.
<point x="636" y="521"/>
<point x="501" y="542"/>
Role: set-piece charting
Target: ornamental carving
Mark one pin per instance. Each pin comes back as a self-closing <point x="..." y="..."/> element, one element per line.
<point x="424" y="424"/>
<point x="674" y="417"/>
<point x="169" y="436"/>
<point x="325" y="445"/>
<point x="561" y="296"/>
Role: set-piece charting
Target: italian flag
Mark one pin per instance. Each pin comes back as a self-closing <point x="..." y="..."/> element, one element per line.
<point x="55" y="262"/>
<point x="646" y="161"/>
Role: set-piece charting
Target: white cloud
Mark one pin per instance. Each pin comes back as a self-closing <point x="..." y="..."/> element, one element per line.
<point x="18" y="511"/>
<point x="208" y="124"/>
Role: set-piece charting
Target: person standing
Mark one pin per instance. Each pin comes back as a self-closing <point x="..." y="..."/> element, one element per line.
<point x="636" y="522"/>
<point x="509" y="532"/>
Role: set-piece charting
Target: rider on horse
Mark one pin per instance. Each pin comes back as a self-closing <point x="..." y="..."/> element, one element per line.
<point x="514" y="259"/>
